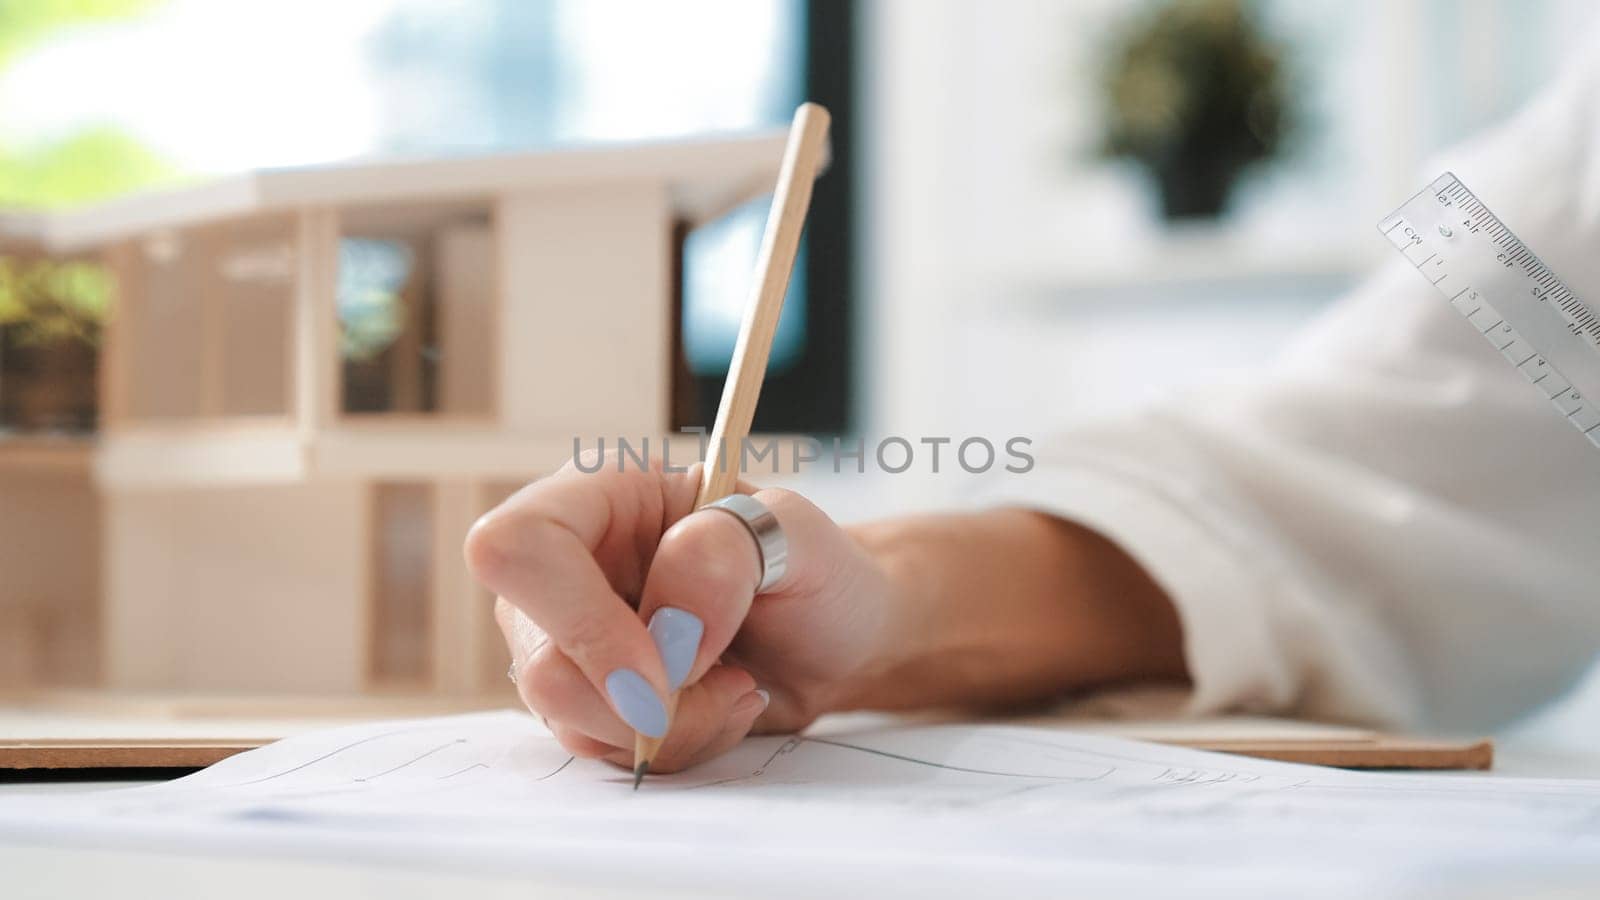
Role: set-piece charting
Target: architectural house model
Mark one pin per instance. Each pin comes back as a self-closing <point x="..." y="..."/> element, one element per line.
<point x="313" y="381"/>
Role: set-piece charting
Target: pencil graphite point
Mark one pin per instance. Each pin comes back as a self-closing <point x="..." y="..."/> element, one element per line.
<point x="638" y="773"/>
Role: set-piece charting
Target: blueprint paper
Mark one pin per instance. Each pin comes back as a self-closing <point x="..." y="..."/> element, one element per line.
<point x="913" y="804"/>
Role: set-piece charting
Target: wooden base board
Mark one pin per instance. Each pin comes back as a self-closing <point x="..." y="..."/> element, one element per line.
<point x="1377" y="752"/>
<point x="82" y="753"/>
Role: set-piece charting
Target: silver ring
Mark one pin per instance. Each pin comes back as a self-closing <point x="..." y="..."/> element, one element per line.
<point x="771" y="544"/>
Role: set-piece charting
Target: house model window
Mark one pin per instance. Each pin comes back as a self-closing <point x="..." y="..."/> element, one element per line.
<point x="205" y="314"/>
<point x="416" y="305"/>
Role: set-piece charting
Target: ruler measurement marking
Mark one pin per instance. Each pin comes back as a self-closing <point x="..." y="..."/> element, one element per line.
<point x="1430" y="221"/>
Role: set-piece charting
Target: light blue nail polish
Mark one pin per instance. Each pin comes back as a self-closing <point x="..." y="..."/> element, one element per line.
<point x="677" y="636"/>
<point x="637" y="703"/>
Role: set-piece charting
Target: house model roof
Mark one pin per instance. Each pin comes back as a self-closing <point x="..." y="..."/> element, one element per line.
<point x="705" y="177"/>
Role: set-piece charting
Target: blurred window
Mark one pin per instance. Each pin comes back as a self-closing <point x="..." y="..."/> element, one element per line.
<point x="511" y="73"/>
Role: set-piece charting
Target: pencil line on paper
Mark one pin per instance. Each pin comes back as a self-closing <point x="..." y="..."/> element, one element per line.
<point x="464" y="769"/>
<point x="413" y="760"/>
<point x="482" y="765"/>
<point x="329" y="755"/>
<point x="786" y="747"/>
<point x="947" y="766"/>
<point x="557" y="770"/>
<point x="1080" y="751"/>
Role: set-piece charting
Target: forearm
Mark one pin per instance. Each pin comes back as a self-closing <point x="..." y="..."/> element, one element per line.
<point x="1010" y="607"/>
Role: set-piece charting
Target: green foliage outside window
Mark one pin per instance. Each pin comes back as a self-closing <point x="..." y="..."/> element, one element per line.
<point x="88" y="165"/>
<point x="52" y="310"/>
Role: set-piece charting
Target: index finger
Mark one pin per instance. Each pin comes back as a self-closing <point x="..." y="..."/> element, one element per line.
<point x="538" y="551"/>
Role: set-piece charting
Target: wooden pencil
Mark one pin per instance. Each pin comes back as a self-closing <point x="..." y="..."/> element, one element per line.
<point x="807" y="147"/>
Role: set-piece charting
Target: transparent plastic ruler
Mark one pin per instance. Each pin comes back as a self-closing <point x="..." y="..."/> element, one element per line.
<point x="1516" y="301"/>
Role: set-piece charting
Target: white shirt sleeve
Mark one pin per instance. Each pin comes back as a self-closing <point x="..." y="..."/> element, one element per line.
<point x="1390" y="526"/>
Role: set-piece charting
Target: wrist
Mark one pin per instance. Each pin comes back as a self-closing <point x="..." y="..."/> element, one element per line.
<point x="906" y="587"/>
<point x="1004" y="608"/>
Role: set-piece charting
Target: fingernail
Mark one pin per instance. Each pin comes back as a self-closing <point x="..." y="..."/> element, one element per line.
<point x="754" y="702"/>
<point x="637" y="703"/>
<point x="677" y="636"/>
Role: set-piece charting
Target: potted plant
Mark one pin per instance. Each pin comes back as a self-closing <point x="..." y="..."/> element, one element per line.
<point x="1195" y="93"/>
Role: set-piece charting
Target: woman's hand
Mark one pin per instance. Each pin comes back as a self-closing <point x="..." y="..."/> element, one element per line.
<point x="989" y="609"/>
<point x="581" y="562"/>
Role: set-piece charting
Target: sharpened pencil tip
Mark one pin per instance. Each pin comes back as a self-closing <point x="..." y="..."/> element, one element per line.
<point x="638" y="773"/>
